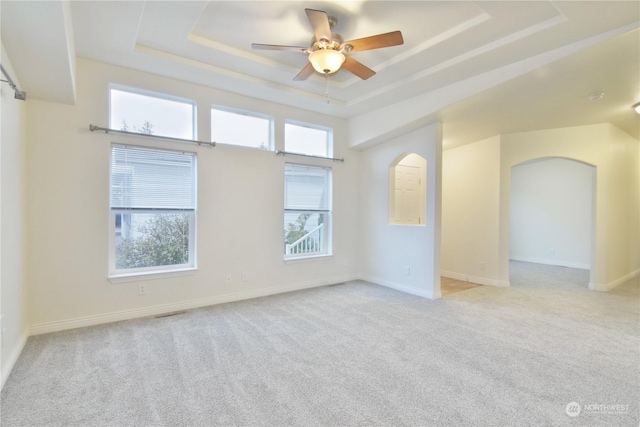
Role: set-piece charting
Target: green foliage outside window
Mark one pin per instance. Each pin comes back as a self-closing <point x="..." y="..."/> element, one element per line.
<point x="296" y="230"/>
<point x="162" y="240"/>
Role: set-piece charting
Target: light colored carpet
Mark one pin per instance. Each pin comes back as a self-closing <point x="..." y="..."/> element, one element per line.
<point x="352" y="354"/>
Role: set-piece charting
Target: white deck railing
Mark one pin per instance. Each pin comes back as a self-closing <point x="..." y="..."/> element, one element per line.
<point x="309" y="243"/>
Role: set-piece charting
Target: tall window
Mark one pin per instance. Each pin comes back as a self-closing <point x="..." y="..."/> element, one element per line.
<point x="153" y="210"/>
<point x="135" y="110"/>
<point x="308" y="139"/>
<point x="307" y="211"/>
<point x="242" y="128"/>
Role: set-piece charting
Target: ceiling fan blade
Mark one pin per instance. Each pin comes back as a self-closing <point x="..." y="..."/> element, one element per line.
<point x="320" y="24"/>
<point x="393" y="38"/>
<point x="304" y="73"/>
<point x="278" y="47"/>
<point x="357" y="68"/>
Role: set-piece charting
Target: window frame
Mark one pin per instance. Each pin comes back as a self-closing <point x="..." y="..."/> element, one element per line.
<point x="115" y="274"/>
<point x="242" y="112"/>
<point x="326" y="129"/>
<point x="162" y="96"/>
<point x="328" y="217"/>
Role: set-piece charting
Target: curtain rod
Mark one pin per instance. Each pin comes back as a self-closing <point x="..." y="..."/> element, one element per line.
<point x="287" y="153"/>
<point x="18" y="93"/>
<point x="94" y="128"/>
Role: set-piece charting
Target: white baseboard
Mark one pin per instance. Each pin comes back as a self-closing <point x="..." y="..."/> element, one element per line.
<point x="403" y="288"/>
<point x="546" y="261"/>
<point x="603" y="287"/>
<point x="476" y="279"/>
<point x="180" y="306"/>
<point x="13" y="358"/>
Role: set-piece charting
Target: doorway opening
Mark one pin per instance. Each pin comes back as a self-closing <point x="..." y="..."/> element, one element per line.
<point x="552" y="205"/>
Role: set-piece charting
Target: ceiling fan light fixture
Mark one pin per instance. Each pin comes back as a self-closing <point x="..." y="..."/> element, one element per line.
<point x="326" y="61"/>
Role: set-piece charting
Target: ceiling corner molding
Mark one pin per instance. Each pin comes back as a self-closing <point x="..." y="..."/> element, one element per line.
<point x="46" y="71"/>
<point x="139" y="48"/>
<point x="459" y="29"/>
<point x="204" y="41"/>
<point x="71" y="47"/>
<point x="462" y="58"/>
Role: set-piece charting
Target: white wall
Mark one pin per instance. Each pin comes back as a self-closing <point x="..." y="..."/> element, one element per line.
<point x="13" y="209"/>
<point x="387" y="249"/>
<point x="551" y="212"/>
<point x="613" y="153"/>
<point x="240" y="209"/>
<point x="470" y="212"/>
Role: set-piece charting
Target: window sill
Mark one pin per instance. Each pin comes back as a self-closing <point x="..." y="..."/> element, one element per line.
<point x="151" y="275"/>
<point x="310" y="258"/>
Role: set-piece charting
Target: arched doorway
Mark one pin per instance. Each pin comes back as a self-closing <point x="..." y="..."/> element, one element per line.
<point x="552" y="205"/>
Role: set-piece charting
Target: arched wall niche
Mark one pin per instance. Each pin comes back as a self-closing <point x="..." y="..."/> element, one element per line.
<point x="407" y="190"/>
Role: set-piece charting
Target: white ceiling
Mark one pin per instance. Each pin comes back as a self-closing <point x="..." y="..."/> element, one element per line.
<point x="482" y="68"/>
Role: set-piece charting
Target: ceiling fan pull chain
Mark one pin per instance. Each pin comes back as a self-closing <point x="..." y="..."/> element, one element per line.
<point x="326" y="79"/>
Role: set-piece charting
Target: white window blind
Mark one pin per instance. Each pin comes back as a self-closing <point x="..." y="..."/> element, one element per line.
<point x="151" y="179"/>
<point x="307" y="188"/>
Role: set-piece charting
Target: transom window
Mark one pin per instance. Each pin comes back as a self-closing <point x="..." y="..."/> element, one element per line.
<point x="307" y="139"/>
<point x="152" y="210"/>
<point x="307" y="211"/>
<point x="136" y="110"/>
<point x="242" y="128"/>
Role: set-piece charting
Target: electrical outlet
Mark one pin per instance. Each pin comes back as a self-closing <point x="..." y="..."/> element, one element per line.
<point x="483" y="266"/>
<point x="228" y="278"/>
<point x="552" y="251"/>
<point x="142" y="289"/>
<point x="407" y="270"/>
<point x="245" y="276"/>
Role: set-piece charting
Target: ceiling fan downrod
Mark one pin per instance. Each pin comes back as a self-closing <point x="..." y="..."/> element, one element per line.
<point x="326" y="80"/>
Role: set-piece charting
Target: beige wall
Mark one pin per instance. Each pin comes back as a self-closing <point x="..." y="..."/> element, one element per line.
<point x="240" y="207"/>
<point x="470" y="213"/>
<point x="13" y="225"/>
<point x="623" y="193"/>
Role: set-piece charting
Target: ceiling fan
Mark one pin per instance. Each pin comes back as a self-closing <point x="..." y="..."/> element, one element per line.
<point x="328" y="52"/>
